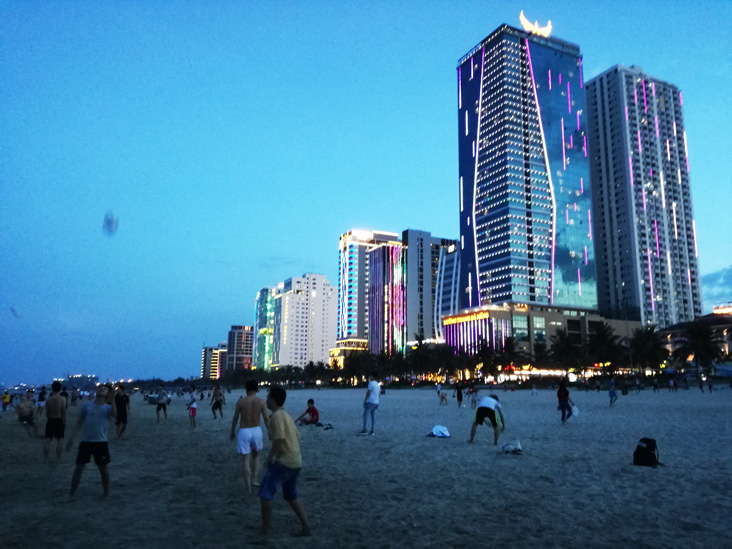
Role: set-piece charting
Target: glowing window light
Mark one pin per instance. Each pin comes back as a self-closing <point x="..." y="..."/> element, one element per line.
<point x="676" y="230"/>
<point x="656" y="117"/>
<point x="630" y="164"/>
<point x="650" y="280"/>
<point x="658" y="250"/>
<point x="663" y="191"/>
<point x="686" y="153"/>
<point x="589" y="222"/>
<point x="645" y="105"/>
<point x="579" y="282"/>
<point x="693" y="227"/>
<point x="460" y="88"/>
<point x="569" y="99"/>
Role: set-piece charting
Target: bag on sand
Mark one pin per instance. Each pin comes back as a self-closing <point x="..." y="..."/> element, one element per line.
<point x="646" y="453"/>
<point x="439" y="431"/>
<point x="513" y="447"/>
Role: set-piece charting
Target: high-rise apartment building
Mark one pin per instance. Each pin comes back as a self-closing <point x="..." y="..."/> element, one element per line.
<point x="264" y="328"/>
<point x="644" y="221"/>
<point x="353" y="281"/>
<point x="525" y="206"/>
<point x="304" y="320"/>
<point x="213" y="362"/>
<point x="447" y="294"/>
<point x="240" y="348"/>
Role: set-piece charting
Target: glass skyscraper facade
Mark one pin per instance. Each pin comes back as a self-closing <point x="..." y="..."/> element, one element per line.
<point x="525" y="202"/>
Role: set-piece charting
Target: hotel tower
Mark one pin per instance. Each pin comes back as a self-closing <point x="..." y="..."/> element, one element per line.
<point x="525" y="204"/>
<point x="644" y="221"/>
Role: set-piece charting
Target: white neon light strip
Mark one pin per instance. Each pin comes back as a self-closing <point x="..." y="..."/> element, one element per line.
<point x="461" y="194"/>
<point x="676" y="229"/>
<point x="663" y="193"/>
<point x="668" y="260"/>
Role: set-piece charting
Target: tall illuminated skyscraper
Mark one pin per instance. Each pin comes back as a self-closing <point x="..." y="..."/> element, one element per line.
<point x="264" y="327"/>
<point x="525" y="204"/>
<point x="644" y="222"/>
<point x="240" y="348"/>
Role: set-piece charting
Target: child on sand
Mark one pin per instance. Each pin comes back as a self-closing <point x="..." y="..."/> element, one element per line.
<point x="284" y="463"/>
<point x="311" y="416"/>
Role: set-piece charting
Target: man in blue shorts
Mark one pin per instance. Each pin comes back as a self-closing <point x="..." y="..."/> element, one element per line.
<point x="94" y="420"/>
<point x="283" y="463"/>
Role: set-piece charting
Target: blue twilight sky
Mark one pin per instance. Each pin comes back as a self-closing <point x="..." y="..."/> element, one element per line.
<point x="236" y="141"/>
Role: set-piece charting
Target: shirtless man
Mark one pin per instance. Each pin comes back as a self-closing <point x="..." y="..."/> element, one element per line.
<point x="55" y="421"/>
<point x="249" y="439"/>
<point x="217" y="401"/>
<point x="25" y="414"/>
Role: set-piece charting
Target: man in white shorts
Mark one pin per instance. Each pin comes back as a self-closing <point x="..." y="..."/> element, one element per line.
<point x="249" y="439"/>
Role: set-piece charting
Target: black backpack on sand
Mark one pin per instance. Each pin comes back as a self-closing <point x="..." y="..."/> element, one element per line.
<point x="646" y="453"/>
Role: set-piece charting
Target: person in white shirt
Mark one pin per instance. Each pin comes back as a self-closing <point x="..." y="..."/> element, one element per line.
<point x="192" y="406"/>
<point x="489" y="408"/>
<point x="370" y="404"/>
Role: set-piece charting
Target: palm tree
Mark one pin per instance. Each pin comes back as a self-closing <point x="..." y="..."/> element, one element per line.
<point x="604" y="346"/>
<point x="564" y="351"/>
<point x="647" y="347"/>
<point x="698" y="340"/>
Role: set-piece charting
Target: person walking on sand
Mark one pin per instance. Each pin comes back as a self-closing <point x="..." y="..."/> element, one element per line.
<point x="94" y="421"/>
<point x="41" y="401"/>
<point x="162" y="403"/>
<point x="565" y="404"/>
<point x="284" y="463"/>
<point x="55" y="421"/>
<point x="217" y="401"/>
<point x="26" y="414"/>
<point x="192" y="406"/>
<point x="611" y="392"/>
<point x="459" y="392"/>
<point x="7" y="399"/>
<point x="122" y="401"/>
<point x="370" y="404"/>
<point x="489" y="408"/>
<point x="252" y="410"/>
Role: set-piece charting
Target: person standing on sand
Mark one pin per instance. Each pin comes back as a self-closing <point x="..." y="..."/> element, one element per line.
<point x="122" y="401"/>
<point x="249" y="439"/>
<point x="7" y="399"/>
<point x="284" y="463"/>
<point x="162" y="403"/>
<point x="565" y="404"/>
<point x="217" y="401"/>
<point x="611" y="392"/>
<point x="370" y="404"/>
<point x="41" y="400"/>
<point x="489" y="408"/>
<point x="192" y="406"/>
<point x="55" y="421"/>
<point x="459" y="392"/>
<point x="94" y="420"/>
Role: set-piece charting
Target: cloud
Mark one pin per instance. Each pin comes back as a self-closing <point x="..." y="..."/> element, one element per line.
<point x="717" y="288"/>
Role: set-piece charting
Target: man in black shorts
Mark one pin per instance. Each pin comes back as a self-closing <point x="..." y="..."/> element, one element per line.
<point x="123" y="407"/>
<point x="162" y="403"/>
<point x="94" y="419"/>
<point x="55" y="421"/>
<point x="489" y="408"/>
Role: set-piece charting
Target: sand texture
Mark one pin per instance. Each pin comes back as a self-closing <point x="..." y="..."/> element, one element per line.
<point x="574" y="485"/>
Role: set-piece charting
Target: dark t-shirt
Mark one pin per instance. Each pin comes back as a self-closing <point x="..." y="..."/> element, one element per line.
<point x="121" y="402"/>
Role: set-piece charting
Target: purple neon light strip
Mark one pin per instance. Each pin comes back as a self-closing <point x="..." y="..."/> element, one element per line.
<point x="658" y="249"/>
<point x="585" y="255"/>
<point x="551" y="185"/>
<point x="589" y="222"/>
<point x="650" y="173"/>
<point x="578" y="126"/>
<point x="571" y="142"/>
<point x="635" y="95"/>
<point x="579" y="282"/>
<point x="630" y="164"/>
<point x="584" y="146"/>
<point x="567" y="214"/>
<point x="575" y="206"/>
<point x="626" y="113"/>
<point x="681" y="99"/>
<point x="569" y="99"/>
<point x="560" y="78"/>
<point x="550" y="79"/>
<point x="582" y="185"/>
<point x="564" y="155"/>
<point x="656" y="125"/>
<point x="645" y="105"/>
<point x="460" y="88"/>
<point x="650" y="279"/>
<point x="688" y="275"/>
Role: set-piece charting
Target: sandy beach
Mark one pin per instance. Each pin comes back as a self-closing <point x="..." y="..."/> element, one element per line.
<point x="574" y="485"/>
